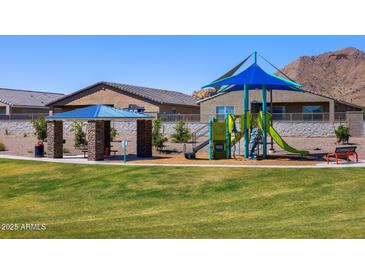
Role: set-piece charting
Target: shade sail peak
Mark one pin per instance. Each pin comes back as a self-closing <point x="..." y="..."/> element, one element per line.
<point x="255" y="77"/>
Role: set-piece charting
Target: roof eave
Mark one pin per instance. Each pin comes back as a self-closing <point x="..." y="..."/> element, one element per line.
<point x="208" y="98"/>
<point x="116" y="87"/>
<point x="335" y="99"/>
<point x="73" y="93"/>
<point x="177" y="104"/>
<point x="29" y="106"/>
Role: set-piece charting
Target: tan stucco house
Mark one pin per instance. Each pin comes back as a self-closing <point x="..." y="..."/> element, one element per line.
<point x="148" y="100"/>
<point x="284" y="102"/>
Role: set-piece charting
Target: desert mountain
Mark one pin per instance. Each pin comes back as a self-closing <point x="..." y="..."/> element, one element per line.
<point x="203" y="93"/>
<point x="339" y="74"/>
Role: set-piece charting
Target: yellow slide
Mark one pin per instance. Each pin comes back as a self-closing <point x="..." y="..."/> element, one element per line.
<point x="277" y="138"/>
<point x="236" y="137"/>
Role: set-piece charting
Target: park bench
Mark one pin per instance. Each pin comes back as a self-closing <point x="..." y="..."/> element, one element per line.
<point x="343" y="152"/>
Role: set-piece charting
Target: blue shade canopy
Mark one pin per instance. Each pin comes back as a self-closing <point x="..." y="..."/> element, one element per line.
<point x="98" y="112"/>
<point x="255" y="77"/>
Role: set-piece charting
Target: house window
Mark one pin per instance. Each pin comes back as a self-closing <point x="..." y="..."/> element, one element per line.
<point x="313" y="113"/>
<point x="311" y="109"/>
<point x="230" y="109"/>
<point x="220" y="111"/>
<point x="2" y="110"/>
<point x="278" y="109"/>
<point x="278" y="112"/>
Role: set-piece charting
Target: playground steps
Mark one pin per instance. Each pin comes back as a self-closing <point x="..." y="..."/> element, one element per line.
<point x="200" y="132"/>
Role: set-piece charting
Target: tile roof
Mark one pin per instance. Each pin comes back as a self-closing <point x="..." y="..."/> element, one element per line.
<point x="160" y="96"/>
<point x="16" y="97"/>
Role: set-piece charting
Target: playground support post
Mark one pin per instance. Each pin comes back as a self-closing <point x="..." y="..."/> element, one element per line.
<point x="264" y="128"/>
<point x="228" y="139"/>
<point x="210" y="133"/>
<point x="271" y="122"/>
<point x="245" y="125"/>
<point x="125" y="143"/>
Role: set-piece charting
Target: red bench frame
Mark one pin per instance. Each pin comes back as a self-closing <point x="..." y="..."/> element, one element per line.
<point x="342" y="154"/>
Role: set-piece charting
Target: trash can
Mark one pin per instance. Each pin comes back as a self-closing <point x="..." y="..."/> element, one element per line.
<point x="38" y="151"/>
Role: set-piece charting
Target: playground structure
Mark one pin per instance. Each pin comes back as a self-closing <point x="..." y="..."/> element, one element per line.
<point x="225" y="135"/>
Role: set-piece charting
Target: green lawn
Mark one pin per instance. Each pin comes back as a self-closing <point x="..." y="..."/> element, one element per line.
<point x="98" y="201"/>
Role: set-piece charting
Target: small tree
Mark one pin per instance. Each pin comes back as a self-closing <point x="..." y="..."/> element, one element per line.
<point x="182" y="133"/>
<point x="158" y="138"/>
<point x="342" y="134"/>
<point x="80" y="136"/>
<point x="40" y="127"/>
<point x="113" y="133"/>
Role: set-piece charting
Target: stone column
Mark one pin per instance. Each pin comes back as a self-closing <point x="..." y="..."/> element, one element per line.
<point x="95" y="135"/>
<point x="54" y="139"/>
<point x="107" y="137"/>
<point x="144" y="138"/>
<point x="355" y="121"/>
<point x="332" y="111"/>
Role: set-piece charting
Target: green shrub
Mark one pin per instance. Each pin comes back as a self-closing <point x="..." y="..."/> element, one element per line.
<point x="342" y="134"/>
<point x="113" y="133"/>
<point x="79" y="134"/>
<point x="182" y="133"/>
<point x="2" y="147"/>
<point x="158" y="138"/>
<point x="40" y="127"/>
<point x="163" y="117"/>
<point x="66" y="150"/>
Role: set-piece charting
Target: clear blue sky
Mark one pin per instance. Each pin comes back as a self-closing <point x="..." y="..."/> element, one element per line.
<point x="183" y="63"/>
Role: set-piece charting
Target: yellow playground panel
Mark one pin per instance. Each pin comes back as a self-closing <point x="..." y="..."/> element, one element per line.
<point x="225" y="134"/>
<point x="219" y="131"/>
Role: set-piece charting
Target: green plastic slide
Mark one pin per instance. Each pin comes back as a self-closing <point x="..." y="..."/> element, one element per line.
<point x="277" y="138"/>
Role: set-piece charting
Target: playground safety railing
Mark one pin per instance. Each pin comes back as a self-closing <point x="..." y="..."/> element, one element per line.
<point x="200" y="132"/>
<point x="340" y="117"/>
<point x="301" y="117"/>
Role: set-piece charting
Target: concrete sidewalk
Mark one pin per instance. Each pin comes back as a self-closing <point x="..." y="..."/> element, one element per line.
<point x="79" y="159"/>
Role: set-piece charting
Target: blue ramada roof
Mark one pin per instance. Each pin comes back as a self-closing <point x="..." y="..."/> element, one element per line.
<point x="255" y="77"/>
<point x="98" y="112"/>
